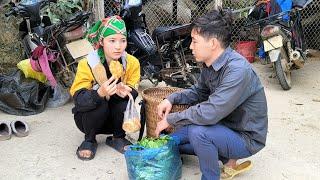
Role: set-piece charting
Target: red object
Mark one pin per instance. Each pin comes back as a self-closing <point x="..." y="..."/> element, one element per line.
<point x="247" y="49"/>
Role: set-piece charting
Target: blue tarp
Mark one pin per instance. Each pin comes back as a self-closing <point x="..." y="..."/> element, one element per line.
<point x="285" y="5"/>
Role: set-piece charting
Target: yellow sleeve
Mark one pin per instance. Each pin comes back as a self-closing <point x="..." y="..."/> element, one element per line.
<point x="133" y="74"/>
<point x="84" y="77"/>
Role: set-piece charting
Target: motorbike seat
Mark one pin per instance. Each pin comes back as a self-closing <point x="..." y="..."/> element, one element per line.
<point x="300" y="4"/>
<point x="171" y="33"/>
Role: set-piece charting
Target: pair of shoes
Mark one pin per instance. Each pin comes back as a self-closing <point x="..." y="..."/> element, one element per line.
<point x="87" y="145"/>
<point x="229" y="173"/>
<point x="17" y="127"/>
<point x="119" y="144"/>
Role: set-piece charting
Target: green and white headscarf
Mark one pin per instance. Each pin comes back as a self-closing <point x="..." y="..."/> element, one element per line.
<point x="103" y="28"/>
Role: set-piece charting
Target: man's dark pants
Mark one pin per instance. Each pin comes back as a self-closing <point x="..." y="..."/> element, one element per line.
<point x="211" y="143"/>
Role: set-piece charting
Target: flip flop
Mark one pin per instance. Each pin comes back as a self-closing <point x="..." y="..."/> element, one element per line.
<point x="5" y="131"/>
<point x="119" y="144"/>
<point x="87" y="145"/>
<point x="19" y="128"/>
<point x="229" y="173"/>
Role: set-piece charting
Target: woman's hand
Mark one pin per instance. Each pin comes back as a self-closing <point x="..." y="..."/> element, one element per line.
<point x="108" y="88"/>
<point x="123" y="90"/>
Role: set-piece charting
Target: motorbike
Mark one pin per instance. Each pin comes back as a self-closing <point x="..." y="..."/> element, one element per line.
<point x="179" y="67"/>
<point x="164" y="55"/>
<point x="36" y="30"/>
<point x="283" y="40"/>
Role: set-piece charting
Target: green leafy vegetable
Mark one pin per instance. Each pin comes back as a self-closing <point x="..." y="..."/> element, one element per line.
<point x="154" y="143"/>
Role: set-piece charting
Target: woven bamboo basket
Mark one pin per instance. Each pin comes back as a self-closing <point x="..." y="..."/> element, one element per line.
<point x="152" y="98"/>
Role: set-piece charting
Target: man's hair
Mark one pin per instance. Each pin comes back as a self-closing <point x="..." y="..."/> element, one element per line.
<point x="215" y="24"/>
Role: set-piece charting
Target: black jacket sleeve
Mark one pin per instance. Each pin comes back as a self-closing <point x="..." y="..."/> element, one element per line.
<point x="86" y="100"/>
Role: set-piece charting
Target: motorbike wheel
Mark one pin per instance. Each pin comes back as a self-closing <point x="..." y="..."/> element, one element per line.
<point x="283" y="70"/>
<point x="192" y="78"/>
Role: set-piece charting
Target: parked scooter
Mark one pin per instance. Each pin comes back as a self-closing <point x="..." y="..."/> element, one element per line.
<point x="36" y="30"/>
<point x="283" y="41"/>
<point x="178" y="65"/>
<point x="164" y="60"/>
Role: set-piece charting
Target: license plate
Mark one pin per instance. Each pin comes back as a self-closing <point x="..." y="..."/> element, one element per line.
<point x="272" y="43"/>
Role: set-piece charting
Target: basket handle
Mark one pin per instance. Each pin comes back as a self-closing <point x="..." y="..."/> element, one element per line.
<point x="142" y="118"/>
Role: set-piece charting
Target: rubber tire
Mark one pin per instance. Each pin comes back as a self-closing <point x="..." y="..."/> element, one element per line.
<point x="191" y="80"/>
<point x="284" y="79"/>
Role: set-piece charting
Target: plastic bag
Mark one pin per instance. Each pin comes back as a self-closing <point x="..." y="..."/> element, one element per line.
<point x="28" y="72"/>
<point x="60" y="96"/>
<point x="131" y="119"/>
<point x="21" y="96"/>
<point x="162" y="163"/>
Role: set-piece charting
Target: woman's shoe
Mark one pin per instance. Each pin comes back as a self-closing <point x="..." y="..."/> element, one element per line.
<point x="19" y="128"/>
<point x="119" y="144"/>
<point x="89" y="146"/>
<point x="5" y="131"/>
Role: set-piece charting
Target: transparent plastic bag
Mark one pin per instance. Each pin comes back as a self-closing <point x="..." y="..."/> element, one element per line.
<point x="131" y="119"/>
<point x="60" y="96"/>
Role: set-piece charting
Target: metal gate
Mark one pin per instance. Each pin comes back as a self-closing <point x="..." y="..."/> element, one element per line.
<point x="173" y="12"/>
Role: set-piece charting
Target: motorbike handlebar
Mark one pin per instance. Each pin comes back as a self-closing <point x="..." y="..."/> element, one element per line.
<point x="68" y="25"/>
<point x="272" y="18"/>
<point x="124" y="13"/>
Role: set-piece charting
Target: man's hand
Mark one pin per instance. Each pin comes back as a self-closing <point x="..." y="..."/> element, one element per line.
<point x="164" y="108"/>
<point x="123" y="90"/>
<point x="108" y="88"/>
<point x="161" y="125"/>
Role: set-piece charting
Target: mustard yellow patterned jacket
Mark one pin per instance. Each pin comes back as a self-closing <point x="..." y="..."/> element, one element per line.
<point x="85" y="80"/>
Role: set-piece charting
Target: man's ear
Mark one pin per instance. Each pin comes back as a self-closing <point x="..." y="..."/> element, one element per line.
<point x="213" y="43"/>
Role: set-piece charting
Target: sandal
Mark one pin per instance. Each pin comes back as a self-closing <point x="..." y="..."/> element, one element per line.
<point x="5" y="131"/>
<point x="87" y="145"/>
<point x="119" y="144"/>
<point x="229" y="173"/>
<point x="19" y="128"/>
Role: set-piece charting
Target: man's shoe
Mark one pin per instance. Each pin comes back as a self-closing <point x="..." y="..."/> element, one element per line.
<point x="229" y="173"/>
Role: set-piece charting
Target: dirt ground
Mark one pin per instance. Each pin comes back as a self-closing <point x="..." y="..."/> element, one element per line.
<point x="292" y="150"/>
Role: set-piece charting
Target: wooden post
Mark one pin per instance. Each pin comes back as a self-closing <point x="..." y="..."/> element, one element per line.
<point x="98" y="9"/>
<point x="214" y="5"/>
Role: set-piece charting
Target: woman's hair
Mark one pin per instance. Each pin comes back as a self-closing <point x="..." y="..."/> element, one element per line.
<point x="215" y="24"/>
